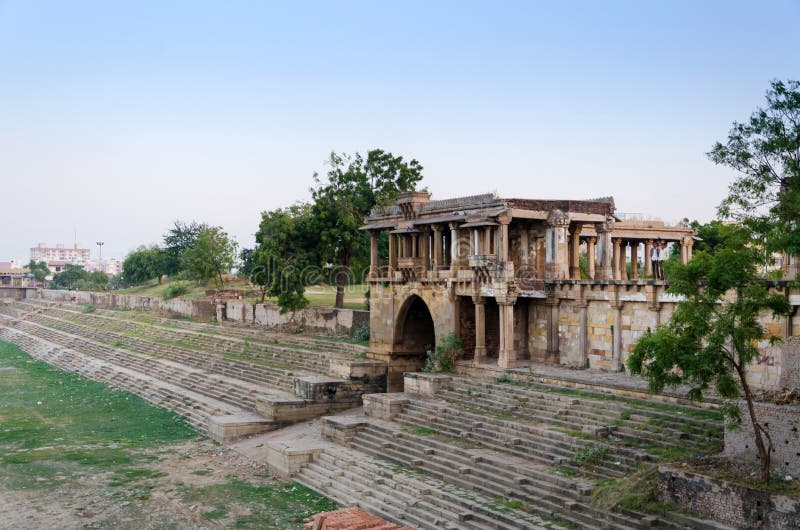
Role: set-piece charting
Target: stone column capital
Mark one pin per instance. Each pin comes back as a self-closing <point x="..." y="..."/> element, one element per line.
<point x="478" y="300"/>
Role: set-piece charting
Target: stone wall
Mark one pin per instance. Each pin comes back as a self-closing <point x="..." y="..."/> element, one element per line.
<point x="790" y="364"/>
<point x="197" y="309"/>
<point x="325" y="320"/>
<point x="783" y="423"/>
<point x="730" y="503"/>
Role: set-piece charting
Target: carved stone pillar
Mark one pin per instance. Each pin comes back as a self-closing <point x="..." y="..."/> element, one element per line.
<point x="523" y="245"/>
<point x="373" y="253"/>
<point x="616" y="360"/>
<point x="604" y="249"/>
<point x="392" y="254"/>
<point x="590" y="257"/>
<point x="556" y="248"/>
<point x="480" y="330"/>
<point x="437" y="247"/>
<point x="507" y="357"/>
<point x="583" y="339"/>
<point x="634" y="260"/>
<point x="615" y="259"/>
<point x="575" y="249"/>
<point x="552" y="330"/>
<point x="648" y="262"/>
<point x="455" y="248"/>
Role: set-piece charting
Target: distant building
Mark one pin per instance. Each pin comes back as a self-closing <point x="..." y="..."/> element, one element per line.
<point x="111" y="266"/>
<point x="75" y="255"/>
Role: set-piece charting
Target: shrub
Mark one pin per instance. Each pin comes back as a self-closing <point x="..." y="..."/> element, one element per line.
<point x="176" y="289"/>
<point x="362" y="333"/>
<point x="443" y="357"/>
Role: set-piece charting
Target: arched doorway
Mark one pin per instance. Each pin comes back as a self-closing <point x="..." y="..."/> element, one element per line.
<point x="415" y="334"/>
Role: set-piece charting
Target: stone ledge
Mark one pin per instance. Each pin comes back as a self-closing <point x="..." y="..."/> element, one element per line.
<point x="357" y="368"/>
<point x="423" y="383"/>
<point x="384" y="406"/>
<point x="340" y="429"/>
<point x="228" y="427"/>
<point x="285" y="460"/>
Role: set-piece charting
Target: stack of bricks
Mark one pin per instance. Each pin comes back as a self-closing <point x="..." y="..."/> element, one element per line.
<point x="350" y="519"/>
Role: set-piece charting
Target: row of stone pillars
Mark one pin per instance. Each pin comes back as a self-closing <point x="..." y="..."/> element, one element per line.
<point x="613" y="266"/>
<point x="507" y="354"/>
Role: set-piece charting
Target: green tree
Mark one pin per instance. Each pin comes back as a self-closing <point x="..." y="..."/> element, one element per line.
<point x="246" y="262"/>
<point x="178" y="239"/>
<point x="145" y="264"/>
<point x="39" y="269"/>
<point x="712" y="234"/>
<point x="765" y="151"/>
<point x="713" y="334"/>
<point x="347" y="194"/>
<point x="213" y="254"/>
<point x="72" y="277"/>
<point x="285" y="258"/>
<point x="97" y="280"/>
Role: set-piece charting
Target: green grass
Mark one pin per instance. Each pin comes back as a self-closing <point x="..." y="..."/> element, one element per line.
<point x="271" y="506"/>
<point x="54" y="423"/>
<point x="61" y="433"/>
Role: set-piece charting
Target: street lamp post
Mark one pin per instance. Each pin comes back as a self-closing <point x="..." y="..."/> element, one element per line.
<point x="100" y="260"/>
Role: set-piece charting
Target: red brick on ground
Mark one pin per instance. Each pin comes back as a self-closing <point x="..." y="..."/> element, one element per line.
<point x="350" y="519"/>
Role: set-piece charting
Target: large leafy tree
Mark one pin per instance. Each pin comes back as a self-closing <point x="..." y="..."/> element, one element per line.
<point x="713" y="334"/>
<point x="765" y="152"/>
<point x="213" y="254"/>
<point x="178" y="239"/>
<point x="145" y="264"/>
<point x="342" y="199"/>
<point x="284" y="261"/>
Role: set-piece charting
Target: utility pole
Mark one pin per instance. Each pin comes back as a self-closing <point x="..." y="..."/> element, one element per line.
<point x="100" y="262"/>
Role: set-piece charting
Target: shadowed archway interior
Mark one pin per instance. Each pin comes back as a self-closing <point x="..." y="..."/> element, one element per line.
<point x="416" y="333"/>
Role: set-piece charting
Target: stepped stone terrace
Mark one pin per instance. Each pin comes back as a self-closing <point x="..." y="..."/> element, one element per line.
<point x="228" y="382"/>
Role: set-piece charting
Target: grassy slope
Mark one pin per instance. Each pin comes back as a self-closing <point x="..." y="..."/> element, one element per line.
<point x="58" y="430"/>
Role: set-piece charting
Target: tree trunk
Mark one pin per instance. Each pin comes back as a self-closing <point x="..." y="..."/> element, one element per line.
<point x="160" y="279"/>
<point x="763" y="451"/>
<point x="341" y="281"/>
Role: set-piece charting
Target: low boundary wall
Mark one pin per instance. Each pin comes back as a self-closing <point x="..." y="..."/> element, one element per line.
<point x="326" y="320"/>
<point x="323" y="320"/>
<point x="197" y="309"/>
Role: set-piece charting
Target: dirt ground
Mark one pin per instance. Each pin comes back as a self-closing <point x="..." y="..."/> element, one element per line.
<point x="166" y="501"/>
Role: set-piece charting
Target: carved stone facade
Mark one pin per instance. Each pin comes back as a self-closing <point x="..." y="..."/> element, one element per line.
<point x="521" y="280"/>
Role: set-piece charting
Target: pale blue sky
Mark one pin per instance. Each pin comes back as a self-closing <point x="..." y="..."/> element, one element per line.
<point x="117" y="118"/>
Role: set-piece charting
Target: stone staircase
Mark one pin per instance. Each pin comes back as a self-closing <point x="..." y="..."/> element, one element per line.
<point x="224" y="330"/>
<point x="293" y="351"/>
<point x="648" y="426"/>
<point x="400" y="494"/>
<point x="195" y="407"/>
<point x="221" y="392"/>
<point x="523" y="449"/>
